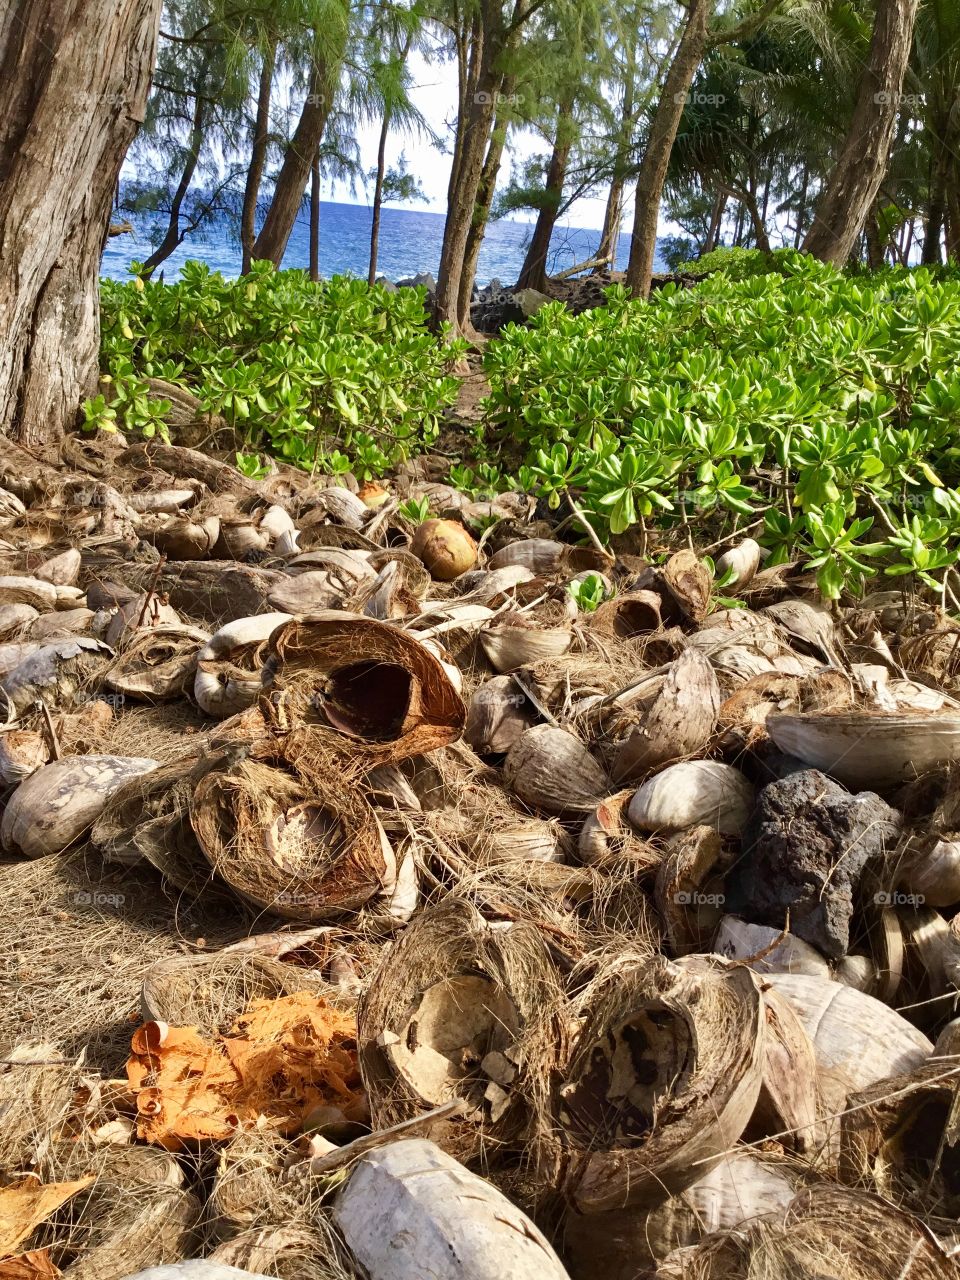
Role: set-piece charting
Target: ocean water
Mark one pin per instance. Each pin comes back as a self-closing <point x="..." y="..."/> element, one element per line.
<point x="410" y="242"/>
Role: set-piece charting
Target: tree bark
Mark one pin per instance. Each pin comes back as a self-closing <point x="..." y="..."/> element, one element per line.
<point x="378" y="198"/>
<point x="855" y="180"/>
<point x="315" y="218"/>
<point x="533" y="273"/>
<point x="74" y="79"/>
<point x="874" y="239"/>
<point x="610" y="234"/>
<point x="271" y="243"/>
<point x="258" y="159"/>
<point x="716" y="220"/>
<point x="663" y="132"/>
<point x="173" y="237"/>
<point x="933" y="232"/>
<point x="484" y="202"/>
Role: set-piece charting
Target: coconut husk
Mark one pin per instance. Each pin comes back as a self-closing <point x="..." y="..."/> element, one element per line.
<point x="689" y="890"/>
<point x="825" y="1231"/>
<point x="228" y="678"/>
<point x="52" y="808"/>
<point x="311" y="1251"/>
<point x="459" y="1008"/>
<point x="899" y="1138"/>
<point x="135" y="1212"/>
<point x="552" y="771"/>
<point x="58" y="674"/>
<point x="663" y="1079"/>
<point x="300" y="843"/>
<point x="607" y="839"/>
<point x="635" y="613"/>
<point x="497" y="714"/>
<point x="857" y="1040"/>
<point x="157" y="663"/>
<point x="677" y="724"/>
<point x="379" y="692"/>
<point x="211" y="990"/>
<point x="623" y="1244"/>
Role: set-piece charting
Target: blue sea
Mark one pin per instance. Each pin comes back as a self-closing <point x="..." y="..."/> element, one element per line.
<point x="410" y="242"/>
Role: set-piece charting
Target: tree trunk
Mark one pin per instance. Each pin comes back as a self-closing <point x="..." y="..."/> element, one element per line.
<point x="663" y="132"/>
<point x="173" y="237"/>
<point x="716" y="220"/>
<point x="610" y="234"/>
<point x="378" y="198"/>
<point x="74" y="80"/>
<point x="802" y="208"/>
<point x="271" y="243"/>
<point x="258" y="159"/>
<point x="463" y="201"/>
<point x="853" y="185"/>
<point x="933" y="233"/>
<point x="874" y="239"/>
<point x="533" y="273"/>
<point x="315" y="218"/>
<point x="484" y="202"/>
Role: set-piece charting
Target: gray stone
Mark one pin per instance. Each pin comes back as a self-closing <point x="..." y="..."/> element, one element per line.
<point x="387" y="284"/>
<point x="805" y="850"/>
<point x="530" y="301"/>
<point x="427" y="280"/>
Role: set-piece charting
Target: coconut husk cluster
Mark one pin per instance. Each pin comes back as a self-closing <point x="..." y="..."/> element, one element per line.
<point x="648" y="913"/>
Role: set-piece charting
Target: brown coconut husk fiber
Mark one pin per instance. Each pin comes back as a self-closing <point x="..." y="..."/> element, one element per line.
<point x="827" y="1231"/>
<point x="137" y="1212"/>
<point x="458" y="1009"/>
<point x="297" y="842"/>
<point x="381" y="691"/>
<point x="75" y="939"/>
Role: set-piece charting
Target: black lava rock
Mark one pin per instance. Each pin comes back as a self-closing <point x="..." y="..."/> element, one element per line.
<point x="805" y="850"/>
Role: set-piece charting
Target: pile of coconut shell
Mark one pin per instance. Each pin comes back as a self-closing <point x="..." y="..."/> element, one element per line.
<point x="362" y="889"/>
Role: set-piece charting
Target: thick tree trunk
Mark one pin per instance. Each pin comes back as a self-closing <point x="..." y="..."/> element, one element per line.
<point x="258" y="159"/>
<point x="74" y="79"/>
<point x="378" y="199"/>
<point x="480" y="116"/>
<point x="853" y="185"/>
<point x="315" y="218"/>
<point x="533" y="273"/>
<point x="663" y="132"/>
<point x="271" y="243"/>
<point x="173" y="237"/>
<point x="484" y="202"/>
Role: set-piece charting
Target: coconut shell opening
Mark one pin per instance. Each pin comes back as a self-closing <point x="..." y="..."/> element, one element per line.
<point x="369" y="700"/>
<point x="614" y="1101"/>
<point x="449" y="1030"/>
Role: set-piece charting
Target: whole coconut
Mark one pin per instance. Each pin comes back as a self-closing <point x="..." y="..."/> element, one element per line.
<point x="445" y="548"/>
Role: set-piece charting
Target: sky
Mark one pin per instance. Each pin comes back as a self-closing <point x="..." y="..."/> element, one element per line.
<point x="436" y="97"/>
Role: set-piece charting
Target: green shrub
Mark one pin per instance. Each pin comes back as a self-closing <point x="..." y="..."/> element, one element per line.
<point x="335" y="374"/>
<point x="819" y="411"/>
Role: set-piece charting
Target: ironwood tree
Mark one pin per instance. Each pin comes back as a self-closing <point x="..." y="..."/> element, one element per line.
<point x="74" y="79"/>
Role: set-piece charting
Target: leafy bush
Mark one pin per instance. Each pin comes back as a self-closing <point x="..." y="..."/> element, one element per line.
<point x="737" y="263"/>
<point x="819" y="411"/>
<point x="335" y="374"/>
